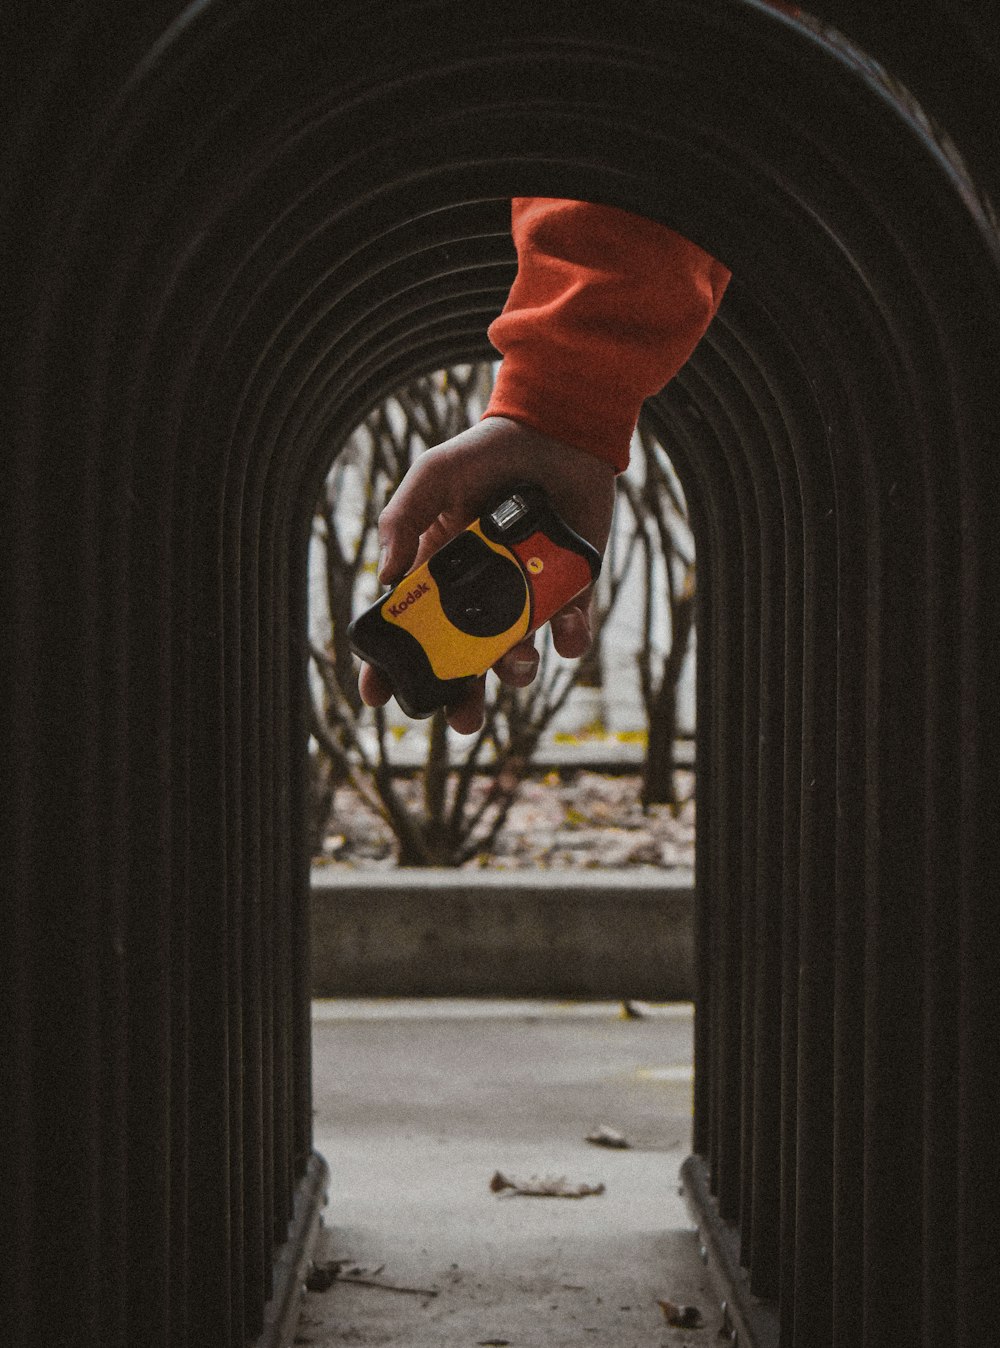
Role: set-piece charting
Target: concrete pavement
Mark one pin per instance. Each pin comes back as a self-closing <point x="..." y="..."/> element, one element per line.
<point x="419" y="1103"/>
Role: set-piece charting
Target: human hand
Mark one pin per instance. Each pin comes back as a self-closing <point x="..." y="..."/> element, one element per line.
<point x="446" y="489"/>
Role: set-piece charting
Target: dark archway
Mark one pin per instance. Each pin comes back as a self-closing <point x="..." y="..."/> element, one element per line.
<point x="228" y="229"/>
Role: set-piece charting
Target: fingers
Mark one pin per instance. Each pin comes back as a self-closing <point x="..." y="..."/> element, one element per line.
<point x="374" y="690"/>
<point x="465" y="717"/>
<point x="571" y="629"/>
<point x="468" y="715"/>
<point x="519" y="666"/>
<point x="571" y="635"/>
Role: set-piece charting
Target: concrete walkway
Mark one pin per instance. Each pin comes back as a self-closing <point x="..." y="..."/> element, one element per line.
<point x="419" y="1103"/>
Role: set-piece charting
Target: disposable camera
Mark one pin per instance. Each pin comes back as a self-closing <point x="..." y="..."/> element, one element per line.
<point x="450" y="619"/>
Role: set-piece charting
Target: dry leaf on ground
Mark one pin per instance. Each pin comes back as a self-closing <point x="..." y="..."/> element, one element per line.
<point x="681" y="1317"/>
<point x="621" y="831"/>
<point x="536" y="1187"/>
<point x="322" y="1277"/>
<point x="606" y="1136"/>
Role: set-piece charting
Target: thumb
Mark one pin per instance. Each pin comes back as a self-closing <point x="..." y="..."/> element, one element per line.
<point x="398" y="543"/>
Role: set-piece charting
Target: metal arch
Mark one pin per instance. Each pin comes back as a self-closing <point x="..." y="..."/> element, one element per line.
<point x="223" y="239"/>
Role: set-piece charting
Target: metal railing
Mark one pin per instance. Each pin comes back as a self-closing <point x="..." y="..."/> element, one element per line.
<point x="227" y="231"/>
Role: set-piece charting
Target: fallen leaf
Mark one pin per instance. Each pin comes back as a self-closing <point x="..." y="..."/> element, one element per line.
<point x="681" y="1317"/>
<point x="321" y="1277"/>
<point x="608" y="1137"/>
<point x="536" y="1187"/>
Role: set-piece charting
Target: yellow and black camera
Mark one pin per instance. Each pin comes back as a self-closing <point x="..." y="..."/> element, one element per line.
<point x="453" y="617"/>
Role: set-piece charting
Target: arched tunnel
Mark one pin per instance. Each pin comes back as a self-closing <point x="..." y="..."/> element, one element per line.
<point x="228" y="229"/>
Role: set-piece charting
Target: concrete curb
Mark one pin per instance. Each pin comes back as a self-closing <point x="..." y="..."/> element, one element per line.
<point x="442" y="933"/>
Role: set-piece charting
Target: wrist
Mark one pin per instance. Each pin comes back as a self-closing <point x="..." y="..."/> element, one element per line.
<point x="580" y="485"/>
<point x="564" y="413"/>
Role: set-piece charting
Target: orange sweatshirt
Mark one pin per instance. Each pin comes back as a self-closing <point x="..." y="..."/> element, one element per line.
<point x="605" y="309"/>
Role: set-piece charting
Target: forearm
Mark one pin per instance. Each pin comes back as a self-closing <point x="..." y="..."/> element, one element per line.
<point x="606" y="308"/>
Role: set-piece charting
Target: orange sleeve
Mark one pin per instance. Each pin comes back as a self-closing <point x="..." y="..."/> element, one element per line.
<point x="605" y="309"/>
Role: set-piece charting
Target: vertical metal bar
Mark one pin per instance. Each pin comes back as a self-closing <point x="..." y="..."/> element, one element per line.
<point x="724" y="404"/>
<point x="287" y="870"/>
<point x="789" y="956"/>
<point x="146" y="931"/>
<point x="706" y="1013"/>
<point x="754" y="548"/>
<point x="209" y="1289"/>
<point x="727" y="776"/>
<point x="296" y="606"/>
<point x="814" y="1039"/>
<point x="978" y="1184"/>
<point x="849" y="917"/>
<point x="234" y="730"/>
<point x="68" y="956"/>
<point x="895" y="696"/>
<point x="19" y="688"/>
<point x="182" y="1028"/>
<point x="257" y="1247"/>
<point x="749" y="403"/>
<point x="941" y="972"/>
<point x="722" y="714"/>
<point x="749" y="340"/>
<point x="680" y="425"/>
<point x="274" y="960"/>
